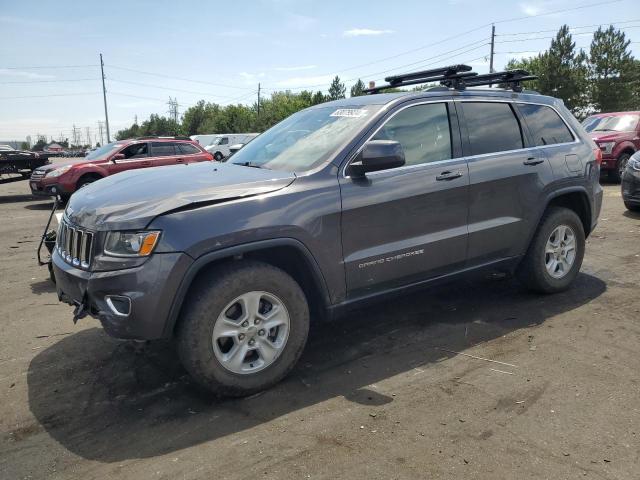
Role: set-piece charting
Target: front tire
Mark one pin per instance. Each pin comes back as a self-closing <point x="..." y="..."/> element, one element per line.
<point x="621" y="165"/>
<point x="218" y="157"/>
<point x="243" y="328"/>
<point x="555" y="254"/>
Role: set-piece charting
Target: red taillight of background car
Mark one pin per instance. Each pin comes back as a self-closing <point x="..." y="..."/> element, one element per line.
<point x="598" y="153"/>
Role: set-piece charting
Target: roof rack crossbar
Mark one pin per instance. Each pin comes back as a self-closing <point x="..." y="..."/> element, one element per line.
<point x="451" y="73"/>
<point x="458" y="77"/>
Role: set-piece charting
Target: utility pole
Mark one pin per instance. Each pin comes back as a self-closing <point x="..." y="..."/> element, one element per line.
<point x="258" y="99"/>
<point x="493" y="42"/>
<point x="104" y="95"/>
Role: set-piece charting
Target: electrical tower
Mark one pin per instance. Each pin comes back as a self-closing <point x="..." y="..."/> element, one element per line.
<point x="87" y="132"/>
<point x="76" y="135"/>
<point x="173" y="109"/>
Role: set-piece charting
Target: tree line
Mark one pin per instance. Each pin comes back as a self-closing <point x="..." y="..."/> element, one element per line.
<point x="603" y="79"/>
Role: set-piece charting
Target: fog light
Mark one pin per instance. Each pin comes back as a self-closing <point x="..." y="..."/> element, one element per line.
<point x="54" y="190"/>
<point x="119" y="305"/>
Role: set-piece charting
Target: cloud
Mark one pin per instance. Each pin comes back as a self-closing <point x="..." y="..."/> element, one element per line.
<point x="22" y="74"/>
<point x="251" y="78"/>
<point x="530" y="9"/>
<point x="295" y="68"/>
<point x="361" y="32"/>
<point x="305" y="81"/>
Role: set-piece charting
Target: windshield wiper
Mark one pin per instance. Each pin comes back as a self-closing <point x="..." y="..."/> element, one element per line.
<point x="252" y="165"/>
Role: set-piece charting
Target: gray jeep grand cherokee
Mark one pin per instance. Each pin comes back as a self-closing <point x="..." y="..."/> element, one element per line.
<point x="341" y="203"/>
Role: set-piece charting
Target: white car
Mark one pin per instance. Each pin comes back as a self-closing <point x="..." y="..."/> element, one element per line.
<point x="219" y="147"/>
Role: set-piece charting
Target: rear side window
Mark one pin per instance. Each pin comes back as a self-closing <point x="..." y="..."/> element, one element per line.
<point x="492" y="127"/>
<point x="422" y="130"/>
<point x="187" y="149"/>
<point x="545" y="125"/>
<point x="162" y="149"/>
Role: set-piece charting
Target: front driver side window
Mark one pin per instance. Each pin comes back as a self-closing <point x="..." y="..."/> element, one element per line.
<point x="422" y="130"/>
<point x="137" y="150"/>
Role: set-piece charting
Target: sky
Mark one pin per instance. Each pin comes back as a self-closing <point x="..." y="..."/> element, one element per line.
<point x="220" y="50"/>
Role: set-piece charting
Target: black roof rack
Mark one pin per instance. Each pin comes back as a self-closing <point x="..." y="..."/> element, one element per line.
<point x="512" y="78"/>
<point x="458" y="77"/>
<point x="167" y="137"/>
<point x="449" y="76"/>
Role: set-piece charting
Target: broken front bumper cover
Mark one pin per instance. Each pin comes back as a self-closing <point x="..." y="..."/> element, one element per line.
<point x="133" y="303"/>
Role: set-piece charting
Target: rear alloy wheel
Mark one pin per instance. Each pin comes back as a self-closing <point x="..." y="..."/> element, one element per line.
<point x="621" y="165"/>
<point x="555" y="254"/>
<point x="218" y="157"/>
<point x="243" y="328"/>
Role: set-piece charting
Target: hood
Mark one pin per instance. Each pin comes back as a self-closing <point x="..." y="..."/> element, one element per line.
<point x="610" y="136"/>
<point x="130" y="200"/>
<point x="52" y="166"/>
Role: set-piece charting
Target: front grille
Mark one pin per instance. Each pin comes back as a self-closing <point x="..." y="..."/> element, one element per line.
<point x="74" y="245"/>
<point x="37" y="175"/>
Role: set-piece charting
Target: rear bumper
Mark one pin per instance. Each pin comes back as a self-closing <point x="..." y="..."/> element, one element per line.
<point x="133" y="303"/>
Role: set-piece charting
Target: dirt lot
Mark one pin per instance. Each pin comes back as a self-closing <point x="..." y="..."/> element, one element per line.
<point x="379" y="395"/>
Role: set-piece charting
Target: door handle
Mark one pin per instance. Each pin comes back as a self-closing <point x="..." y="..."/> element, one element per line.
<point x="449" y="175"/>
<point x="533" y="161"/>
<point x="146" y="164"/>
<point x="180" y="160"/>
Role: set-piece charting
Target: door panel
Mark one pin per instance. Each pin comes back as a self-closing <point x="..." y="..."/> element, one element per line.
<point x="407" y="224"/>
<point x="136" y="157"/>
<point x="505" y="186"/>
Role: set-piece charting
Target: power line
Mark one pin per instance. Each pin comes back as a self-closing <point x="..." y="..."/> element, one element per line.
<point x="167" y="88"/>
<point x="547" y="37"/>
<point x="161" y="75"/>
<point x="48" y="66"/>
<point x="52" y="95"/>
<point x="570" y="28"/>
<point x="48" y="81"/>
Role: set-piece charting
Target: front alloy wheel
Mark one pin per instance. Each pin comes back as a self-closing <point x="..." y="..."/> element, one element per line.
<point x="251" y="332"/>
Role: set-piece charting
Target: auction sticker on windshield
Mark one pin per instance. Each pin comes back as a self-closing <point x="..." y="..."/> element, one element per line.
<point x="349" y="112"/>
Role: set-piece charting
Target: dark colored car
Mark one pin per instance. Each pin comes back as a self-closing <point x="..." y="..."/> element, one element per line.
<point x="20" y="161"/>
<point x="631" y="183"/>
<point x="62" y="179"/>
<point x="338" y="205"/>
<point x="618" y="136"/>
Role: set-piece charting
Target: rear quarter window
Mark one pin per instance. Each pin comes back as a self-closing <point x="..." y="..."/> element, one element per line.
<point x="492" y="127"/>
<point x="545" y="125"/>
<point x="187" y="149"/>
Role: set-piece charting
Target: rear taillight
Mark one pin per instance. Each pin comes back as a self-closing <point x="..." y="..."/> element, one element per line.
<point x="598" y="154"/>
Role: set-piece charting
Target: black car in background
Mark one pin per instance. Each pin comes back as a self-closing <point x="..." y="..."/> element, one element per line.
<point x="631" y="183"/>
<point x="21" y="162"/>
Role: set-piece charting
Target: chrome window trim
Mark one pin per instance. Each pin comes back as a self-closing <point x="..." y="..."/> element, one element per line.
<point x="467" y="157"/>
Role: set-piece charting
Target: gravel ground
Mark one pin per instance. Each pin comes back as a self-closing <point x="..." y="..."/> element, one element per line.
<point x="470" y="380"/>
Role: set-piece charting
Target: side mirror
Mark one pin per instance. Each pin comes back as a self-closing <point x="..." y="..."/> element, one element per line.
<point x="377" y="155"/>
<point x="118" y="156"/>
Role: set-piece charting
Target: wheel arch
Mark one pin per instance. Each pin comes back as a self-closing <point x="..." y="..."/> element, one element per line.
<point x="92" y="174"/>
<point x="575" y="199"/>
<point x="288" y="254"/>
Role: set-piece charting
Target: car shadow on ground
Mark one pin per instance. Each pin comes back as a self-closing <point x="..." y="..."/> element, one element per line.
<point x="43" y="286"/>
<point x="19" y="197"/>
<point x="41" y="206"/>
<point x="108" y="400"/>
<point x="630" y="214"/>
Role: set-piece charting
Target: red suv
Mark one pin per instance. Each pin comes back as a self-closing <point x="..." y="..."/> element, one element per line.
<point x="618" y="136"/>
<point x="65" y="178"/>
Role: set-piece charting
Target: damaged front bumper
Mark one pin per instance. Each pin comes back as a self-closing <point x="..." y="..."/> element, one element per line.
<point x="132" y="303"/>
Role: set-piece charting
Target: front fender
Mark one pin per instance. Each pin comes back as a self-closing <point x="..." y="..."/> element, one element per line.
<point x="230" y="252"/>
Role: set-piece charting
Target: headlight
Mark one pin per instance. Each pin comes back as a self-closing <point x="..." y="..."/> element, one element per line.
<point x="58" y="171"/>
<point x="607" y="147"/>
<point x="131" y="244"/>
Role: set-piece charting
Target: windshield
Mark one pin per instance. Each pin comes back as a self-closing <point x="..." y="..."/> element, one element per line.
<point x="305" y="139"/>
<point x="104" y="151"/>
<point x="618" y="123"/>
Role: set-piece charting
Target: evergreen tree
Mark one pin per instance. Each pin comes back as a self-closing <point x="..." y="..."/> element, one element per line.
<point x="337" y="90"/>
<point x="614" y="72"/>
<point x="357" y="88"/>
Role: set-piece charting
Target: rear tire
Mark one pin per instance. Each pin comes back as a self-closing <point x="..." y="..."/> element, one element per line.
<point x="555" y="254"/>
<point x="218" y="157"/>
<point x="228" y="357"/>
